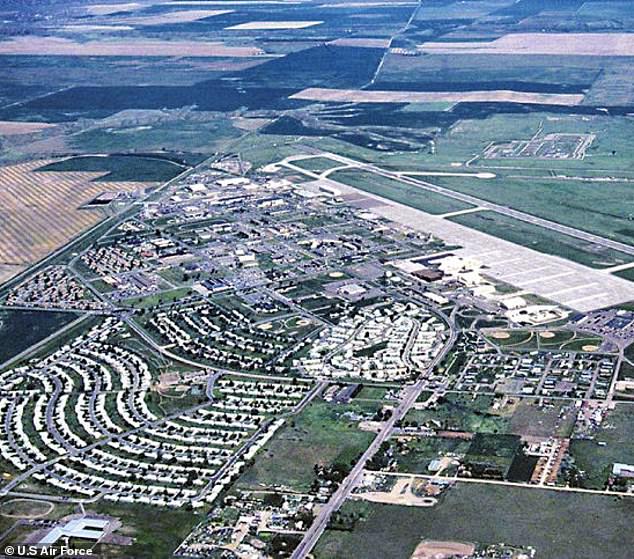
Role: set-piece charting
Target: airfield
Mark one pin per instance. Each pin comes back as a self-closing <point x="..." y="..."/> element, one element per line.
<point x="556" y="279"/>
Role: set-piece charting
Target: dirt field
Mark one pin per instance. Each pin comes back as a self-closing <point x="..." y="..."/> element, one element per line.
<point x="8" y="128"/>
<point x="26" y="508"/>
<point x="7" y="271"/>
<point x="502" y="96"/>
<point x="429" y="549"/>
<point x="250" y="124"/>
<point x="39" y="211"/>
<point x="391" y="4"/>
<point x="88" y="28"/>
<point x="580" y="44"/>
<point x="500" y="335"/>
<point x="33" y="45"/>
<point x="401" y="494"/>
<point x="183" y="16"/>
<point x="361" y="42"/>
<point x="263" y="25"/>
<point x="106" y="9"/>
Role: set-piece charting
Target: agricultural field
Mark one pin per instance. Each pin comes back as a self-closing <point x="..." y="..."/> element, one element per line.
<point x="374" y="96"/>
<point x="41" y="211"/>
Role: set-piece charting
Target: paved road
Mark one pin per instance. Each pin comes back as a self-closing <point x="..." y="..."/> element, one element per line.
<point x="410" y="395"/>
<point x="467" y="198"/>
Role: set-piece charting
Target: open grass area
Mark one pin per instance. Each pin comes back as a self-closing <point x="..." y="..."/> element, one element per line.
<point x="399" y="192"/>
<point x="160" y="298"/>
<point x="462" y="412"/>
<point x="541" y="239"/>
<point x="582" y="204"/>
<point x="14" y="509"/>
<point x="317" y="164"/>
<point x="617" y="432"/>
<point x="19" y="330"/>
<point x="553" y="418"/>
<point x="157" y="533"/>
<point x="626" y="274"/>
<point x="150" y="168"/>
<point x="321" y="434"/>
<point x="479" y="513"/>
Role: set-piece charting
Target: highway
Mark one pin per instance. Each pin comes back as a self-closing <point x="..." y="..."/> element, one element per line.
<point x="411" y="394"/>
<point x="467" y="198"/>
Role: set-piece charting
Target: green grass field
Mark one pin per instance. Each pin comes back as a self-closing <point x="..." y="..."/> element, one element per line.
<point x="541" y="239"/>
<point x="399" y="192"/>
<point x="617" y="431"/>
<point x="317" y="164"/>
<point x="461" y="412"/>
<point x="157" y="533"/>
<point x="584" y="205"/>
<point x="482" y="513"/>
<point x="319" y="435"/>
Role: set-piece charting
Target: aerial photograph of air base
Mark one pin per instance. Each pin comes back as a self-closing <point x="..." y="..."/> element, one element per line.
<point x="317" y="279"/>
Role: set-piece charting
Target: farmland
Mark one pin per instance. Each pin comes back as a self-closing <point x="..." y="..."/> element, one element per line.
<point x="42" y="210"/>
<point x="582" y="44"/>
<point x="359" y="96"/>
<point x="66" y="47"/>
